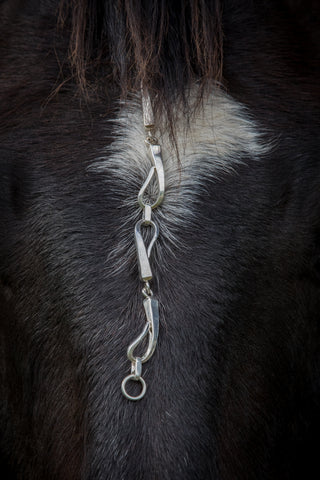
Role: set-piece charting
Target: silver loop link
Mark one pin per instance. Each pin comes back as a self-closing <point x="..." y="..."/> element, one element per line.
<point x="124" y="384"/>
<point x="157" y="170"/>
<point x="144" y="253"/>
<point x="137" y="342"/>
<point x="151" y="328"/>
<point x="146" y="291"/>
<point x="151" y="139"/>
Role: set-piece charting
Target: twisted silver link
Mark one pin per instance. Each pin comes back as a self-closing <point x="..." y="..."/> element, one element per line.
<point x="156" y="170"/>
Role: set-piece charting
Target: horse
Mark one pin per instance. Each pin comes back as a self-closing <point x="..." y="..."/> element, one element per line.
<point x="160" y="211"/>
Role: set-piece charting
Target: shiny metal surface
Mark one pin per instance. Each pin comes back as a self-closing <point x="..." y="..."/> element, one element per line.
<point x="151" y="305"/>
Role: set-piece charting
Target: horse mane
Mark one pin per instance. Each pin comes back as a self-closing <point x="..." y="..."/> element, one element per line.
<point x="163" y="45"/>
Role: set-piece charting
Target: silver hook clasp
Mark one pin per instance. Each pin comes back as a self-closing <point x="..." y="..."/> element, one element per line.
<point x="157" y="170"/>
<point x="143" y="253"/>
<point x="151" y="307"/>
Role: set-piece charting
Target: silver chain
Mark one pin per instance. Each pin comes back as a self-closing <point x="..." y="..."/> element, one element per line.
<point x="150" y="304"/>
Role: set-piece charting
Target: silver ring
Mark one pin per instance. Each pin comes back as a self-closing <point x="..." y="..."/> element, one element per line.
<point x="135" y="379"/>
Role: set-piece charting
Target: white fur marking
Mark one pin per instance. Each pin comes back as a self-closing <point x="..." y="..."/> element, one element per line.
<point x="211" y="146"/>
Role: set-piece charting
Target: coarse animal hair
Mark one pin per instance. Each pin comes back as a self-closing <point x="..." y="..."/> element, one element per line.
<point x="163" y="45"/>
<point x="233" y="389"/>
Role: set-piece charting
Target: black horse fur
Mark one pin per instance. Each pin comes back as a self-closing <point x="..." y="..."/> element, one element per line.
<point x="234" y="387"/>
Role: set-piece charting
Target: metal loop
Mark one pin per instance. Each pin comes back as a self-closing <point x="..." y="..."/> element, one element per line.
<point x="143" y="252"/>
<point x="146" y="291"/>
<point x="151" y="139"/>
<point x="135" y="343"/>
<point x="135" y="379"/>
<point x="151" y="307"/>
<point x="145" y="186"/>
<point x="157" y="170"/>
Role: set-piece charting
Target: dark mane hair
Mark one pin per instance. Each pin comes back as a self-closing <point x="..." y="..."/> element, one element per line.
<point x="163" y="45"/>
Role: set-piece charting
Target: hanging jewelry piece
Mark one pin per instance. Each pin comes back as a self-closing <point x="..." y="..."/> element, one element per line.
<point x="150" y="304"/>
